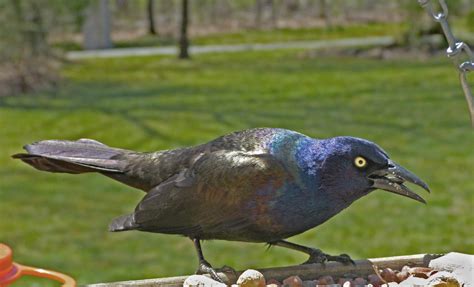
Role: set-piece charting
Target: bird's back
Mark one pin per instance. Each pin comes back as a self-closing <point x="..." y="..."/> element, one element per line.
<point x="149" y="169"/>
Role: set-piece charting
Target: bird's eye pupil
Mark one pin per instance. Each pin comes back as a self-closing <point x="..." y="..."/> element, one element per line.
<point x="360" y="162"/>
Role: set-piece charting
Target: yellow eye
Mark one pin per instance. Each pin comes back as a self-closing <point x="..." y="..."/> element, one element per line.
<point x="360" y="162"/>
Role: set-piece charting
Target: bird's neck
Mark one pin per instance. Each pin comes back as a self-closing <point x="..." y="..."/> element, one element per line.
<point x="303" y="156"/>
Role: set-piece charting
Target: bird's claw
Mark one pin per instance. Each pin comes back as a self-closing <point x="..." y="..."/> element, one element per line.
<point x="205" y="267"/>
<point x="343" y="258"/>
<point x="227" y="269"/>
<point x="317" y="256"/>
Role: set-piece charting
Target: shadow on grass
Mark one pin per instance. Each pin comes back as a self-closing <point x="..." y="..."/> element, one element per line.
<point x="136" y="106"/>
<point x="139" y="106"/>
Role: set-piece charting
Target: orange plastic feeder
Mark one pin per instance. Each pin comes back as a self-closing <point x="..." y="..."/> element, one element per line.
<point x="11" y="271"/>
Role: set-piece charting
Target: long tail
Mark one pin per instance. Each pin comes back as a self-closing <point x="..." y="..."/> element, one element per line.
<point x="85" y="155"/>
<point x="79" y="156"/>
<point x="123" y="223"/>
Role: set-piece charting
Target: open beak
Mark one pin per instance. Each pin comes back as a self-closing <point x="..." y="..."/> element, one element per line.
<point x="392" y="178"/>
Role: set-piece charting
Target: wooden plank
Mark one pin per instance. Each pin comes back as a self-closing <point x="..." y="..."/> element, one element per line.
<point x="362" y="268"/>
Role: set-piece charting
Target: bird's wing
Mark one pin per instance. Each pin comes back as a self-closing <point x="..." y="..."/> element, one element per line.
<point x="147" y="170"/>
<point x="212" y="194"/>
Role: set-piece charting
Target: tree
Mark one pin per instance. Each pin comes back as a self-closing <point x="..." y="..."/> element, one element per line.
<point x="325" y="12"/>
<point x="96" y="28"/>
<point x="258" y="13"/>
<point x="26" y="60"/>
<point x="262" y="9"/>
<point x="183" y="31"/>
<point x="151" y="17"/>
<point x="274" y="13"/>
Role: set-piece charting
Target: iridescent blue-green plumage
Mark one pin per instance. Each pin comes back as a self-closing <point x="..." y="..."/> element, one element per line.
<point x="258" y="185"/>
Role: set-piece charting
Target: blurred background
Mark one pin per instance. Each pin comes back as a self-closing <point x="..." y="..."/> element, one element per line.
<point x="371" y="69"/>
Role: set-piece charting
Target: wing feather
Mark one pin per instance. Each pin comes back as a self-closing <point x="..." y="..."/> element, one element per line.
<point x="210" y="197"/>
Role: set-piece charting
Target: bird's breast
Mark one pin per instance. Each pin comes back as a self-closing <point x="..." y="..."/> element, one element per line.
<point x="289" y="210"/>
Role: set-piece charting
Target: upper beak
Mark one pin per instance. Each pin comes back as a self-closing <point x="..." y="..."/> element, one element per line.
<point x="392" y="179"/>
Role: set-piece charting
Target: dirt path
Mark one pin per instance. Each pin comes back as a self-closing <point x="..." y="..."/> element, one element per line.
<point x="171" y="50"/>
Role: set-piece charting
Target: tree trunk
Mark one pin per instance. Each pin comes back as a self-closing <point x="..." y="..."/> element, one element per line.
<point x="37" y="34"/>
<point x="214" y="13"/>
<point x="96" y="28"/>
<point x="258" y="13"/>
<point x="183" y="31"/>
<point x="325" y="12"/>
<point x="274" y="13"/>
<point x="151" y="17"/>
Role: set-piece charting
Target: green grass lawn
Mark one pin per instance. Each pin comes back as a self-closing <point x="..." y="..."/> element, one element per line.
<point x="302" y="34"/>
<point x="413" y="109"/>
<point x="247" y="36"/>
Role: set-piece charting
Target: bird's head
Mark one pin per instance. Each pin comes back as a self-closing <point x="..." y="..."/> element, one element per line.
<point x="353" y="167"/>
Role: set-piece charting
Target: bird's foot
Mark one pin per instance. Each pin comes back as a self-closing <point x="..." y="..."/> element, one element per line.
<point x="317" y="256"/>
<point x="227" y="270"/>
<point x="342" y="258"/>
<point x="205" y="267"/>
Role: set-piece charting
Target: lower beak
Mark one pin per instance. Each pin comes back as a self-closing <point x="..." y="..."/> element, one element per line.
<point x="392" y="178"/>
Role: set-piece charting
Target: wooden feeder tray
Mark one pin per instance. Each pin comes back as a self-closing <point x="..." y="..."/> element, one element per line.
<point x="362" y="268"/>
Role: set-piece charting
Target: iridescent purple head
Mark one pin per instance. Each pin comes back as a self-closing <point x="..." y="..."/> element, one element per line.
<point x="351" y="167"/>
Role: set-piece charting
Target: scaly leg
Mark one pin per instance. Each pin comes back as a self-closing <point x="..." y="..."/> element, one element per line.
<point x="204" y="266"/>
<point x="315" y="255"/>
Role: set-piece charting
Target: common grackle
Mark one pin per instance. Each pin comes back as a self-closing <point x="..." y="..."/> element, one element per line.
<point x="257" y="185"/>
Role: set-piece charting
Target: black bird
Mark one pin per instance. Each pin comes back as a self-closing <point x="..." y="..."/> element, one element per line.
<point x="257" y="185"/>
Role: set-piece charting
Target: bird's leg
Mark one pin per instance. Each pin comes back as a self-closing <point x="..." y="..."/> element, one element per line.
<point x="204" y="266"/>
<point x="315" y="255"/>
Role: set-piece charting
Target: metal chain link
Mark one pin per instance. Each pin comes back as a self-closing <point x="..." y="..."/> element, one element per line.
<point x="455" y="50"/>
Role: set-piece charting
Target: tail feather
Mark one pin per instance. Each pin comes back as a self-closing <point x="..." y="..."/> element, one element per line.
<point x="83" y="148"/>
<point x="123" y="223"/>
<point x="80" y="156"/>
